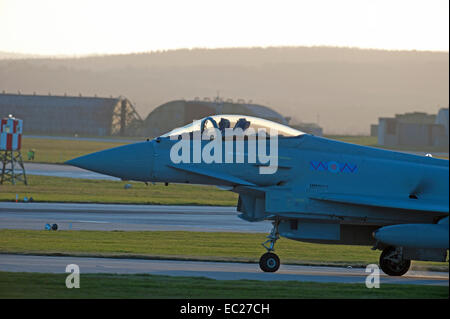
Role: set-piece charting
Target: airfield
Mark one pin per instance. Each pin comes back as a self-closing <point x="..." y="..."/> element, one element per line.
<point x="103" y="217"/>
<point x="129" y="218"/>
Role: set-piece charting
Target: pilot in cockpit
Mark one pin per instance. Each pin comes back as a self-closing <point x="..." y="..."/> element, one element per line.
<point x="242" y="123"/>
<point x="223" y="124"/>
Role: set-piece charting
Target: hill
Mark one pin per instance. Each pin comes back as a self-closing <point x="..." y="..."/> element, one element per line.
<point x="347" y="89"/>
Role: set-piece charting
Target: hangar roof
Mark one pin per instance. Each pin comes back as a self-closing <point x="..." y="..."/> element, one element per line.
<point x="55" y="100"/>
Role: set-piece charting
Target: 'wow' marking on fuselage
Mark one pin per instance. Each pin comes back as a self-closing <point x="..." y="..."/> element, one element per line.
<point x="333" y="167"/>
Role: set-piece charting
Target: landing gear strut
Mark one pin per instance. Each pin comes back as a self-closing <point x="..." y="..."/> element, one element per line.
<point x="269" y="262"/>
<point x="392" y="262"/>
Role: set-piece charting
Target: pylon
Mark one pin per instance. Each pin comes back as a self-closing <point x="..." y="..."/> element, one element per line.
<point x="12" y="164"/>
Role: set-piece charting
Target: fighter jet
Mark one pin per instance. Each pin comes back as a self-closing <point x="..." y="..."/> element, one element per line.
<point x="312" y="189"/>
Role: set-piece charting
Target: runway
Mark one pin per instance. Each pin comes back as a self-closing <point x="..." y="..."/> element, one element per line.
<point x="213" y="270"/>
<point x="147" y="217"/>
<point x="125" y="217"/>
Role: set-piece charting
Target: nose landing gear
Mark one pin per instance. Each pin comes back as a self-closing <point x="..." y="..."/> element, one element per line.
<point x="270" y="262"/>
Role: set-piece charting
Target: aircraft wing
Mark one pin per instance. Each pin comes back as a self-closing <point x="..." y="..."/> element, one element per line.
<point x="407" y="204"/>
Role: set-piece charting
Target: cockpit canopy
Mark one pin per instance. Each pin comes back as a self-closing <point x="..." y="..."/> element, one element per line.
<point x="234" y="122"/>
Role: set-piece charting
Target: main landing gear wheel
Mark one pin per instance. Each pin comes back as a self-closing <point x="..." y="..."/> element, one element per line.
<point x="269" y="262"/>
<point x="392" y="262"/>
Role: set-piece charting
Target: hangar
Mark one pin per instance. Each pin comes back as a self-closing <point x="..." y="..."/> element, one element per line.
<point x="48" y="114"/>
<point x="100" y="116"/>
<point x="181" y="112"/>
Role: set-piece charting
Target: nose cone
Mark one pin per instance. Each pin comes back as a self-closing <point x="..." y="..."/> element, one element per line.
<point x="129" y="162"/>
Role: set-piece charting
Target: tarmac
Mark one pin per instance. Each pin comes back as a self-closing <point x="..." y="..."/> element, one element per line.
<point x="109" y="217"/>
<point x="213" y="270"/>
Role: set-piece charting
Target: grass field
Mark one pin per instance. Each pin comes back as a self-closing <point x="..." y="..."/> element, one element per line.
<point x="242" y="247"/>
<point x="36" y="285"/>
<point x="57" y="189"/>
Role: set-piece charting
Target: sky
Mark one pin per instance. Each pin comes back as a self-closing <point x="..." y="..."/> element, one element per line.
<point x="80" y="27"/>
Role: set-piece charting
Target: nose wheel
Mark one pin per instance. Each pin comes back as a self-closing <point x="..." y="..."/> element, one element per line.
<point x="270" y="262"/>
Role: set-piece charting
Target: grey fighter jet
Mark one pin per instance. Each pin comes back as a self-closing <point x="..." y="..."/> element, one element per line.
<point x="313" y="189"/>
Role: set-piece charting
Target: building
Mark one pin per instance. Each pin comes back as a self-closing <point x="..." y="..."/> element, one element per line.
<point x="47" y="114"/>
<point x="442" y="119"/>
<point x="414" y="129"/>
<point x="181" y="112"/>
<point x="374" y="130"/>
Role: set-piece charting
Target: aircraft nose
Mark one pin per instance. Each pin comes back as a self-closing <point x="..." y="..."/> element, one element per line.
<point x="129" y="162"/>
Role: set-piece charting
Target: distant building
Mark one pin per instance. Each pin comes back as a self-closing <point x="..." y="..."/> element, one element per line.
<point x="442" y="119"/>
<point x="374" y="130"/>
<point x="181" y="112"/>
<point x="48" y="114"/>
<point x="414" y="129"/>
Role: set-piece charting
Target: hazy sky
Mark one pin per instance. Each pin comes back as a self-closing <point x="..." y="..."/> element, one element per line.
<point x="107" y="26"/>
